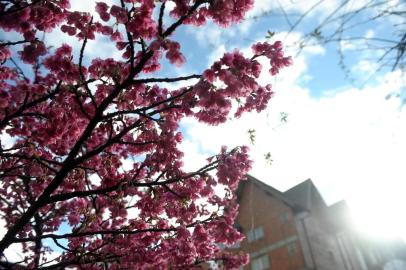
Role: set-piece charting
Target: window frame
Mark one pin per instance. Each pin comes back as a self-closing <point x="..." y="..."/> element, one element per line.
<point x="291" y="247"/>
<point x="255" y="234"/>
<point x="262" y="262"/>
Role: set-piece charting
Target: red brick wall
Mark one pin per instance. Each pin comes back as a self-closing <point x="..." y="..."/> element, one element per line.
<point x="260" y="209"/>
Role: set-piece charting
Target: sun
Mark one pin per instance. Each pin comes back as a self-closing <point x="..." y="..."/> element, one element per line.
<point x="381" y="217"/>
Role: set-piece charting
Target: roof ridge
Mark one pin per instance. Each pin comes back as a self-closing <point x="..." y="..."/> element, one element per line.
<point x="276" y="193"/>
<point x="308" y="181"/>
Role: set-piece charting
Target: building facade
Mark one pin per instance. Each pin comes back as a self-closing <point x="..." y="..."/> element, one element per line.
<point x="296" y="230"/>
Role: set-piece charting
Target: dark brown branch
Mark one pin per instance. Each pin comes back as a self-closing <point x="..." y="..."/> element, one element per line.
<point x="91" y="233"/>
<point x="137" y="143"/>
<point x="177" y="79"/>
<point x="12" y="265"/>
<point x="19" y="69"/>
<point x="161" y="16"/>
<point x="172" y="28"/>
<point x="144" y="109"/>
<point x="82" y="76"/>
<point x="82" y="260"/>
<point x="11" y="11"/>
<point x="110" y="142"/>
<point x="108" y="232"/>
<point x="37" y="225"/>
<point x="33" y="158"/>
<point x="104" y="191"/>
<point x="31" y="104"/>
<point x="11" y="43"/>
<point x="70" y="162"/>
<point x="130" y="39"/>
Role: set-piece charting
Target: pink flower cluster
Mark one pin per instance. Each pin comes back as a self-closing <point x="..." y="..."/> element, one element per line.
<point x="95" y="164"/>
<point x="61" y="65"/>
<point x="139" y="21"/>
<point x="234" y="77"/>
<point x="223" y="12"/>
<point x="274" y="52"/>
<point x="5" y="54"/>
<point x="233" y="167"/>
<point x="32" y="52"/>
<point x="28" y="21"/>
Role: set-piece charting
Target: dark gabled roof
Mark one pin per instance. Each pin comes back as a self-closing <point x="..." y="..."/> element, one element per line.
<point x="304" y="194"/>
<point x="270" y="191"/>
<point x="340" y="207"/>
<point x="340" y="215"/>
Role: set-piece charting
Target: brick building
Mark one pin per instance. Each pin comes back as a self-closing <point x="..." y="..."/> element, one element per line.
<point x="296" y="230"/>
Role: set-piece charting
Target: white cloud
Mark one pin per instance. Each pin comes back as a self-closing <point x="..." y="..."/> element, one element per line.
<point x="365" y="67"/>
<point x="100" y="47"/>
<point x="83" y="6"/>
<point x="288" y="6"/>
<point x="195" y="158"/>
<point x="6" y="140"/>
<point x="348" y="142"/>
<point x="348" y="45"/>
<point x="213" y="36"/>
<point x="209" y="34"/>
<point x="216" y="54"/>
<point x="14" y="253"/>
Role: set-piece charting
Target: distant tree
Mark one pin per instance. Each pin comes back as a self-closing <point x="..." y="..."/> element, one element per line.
<point x="74" y="121"/>
<point x="345" y="26"/>
<point x="342" y="27"/>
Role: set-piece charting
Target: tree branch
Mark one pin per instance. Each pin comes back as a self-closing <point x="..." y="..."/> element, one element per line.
<point x="144" y="109"/>
<point x="177" y="79"/>
<point x="31" y="104"/>
<point x="107" y="232"/>
<point x="70" y="162"/>
<point x="11" y="11"/>
<point x="82" y="76"/>
<point x="11" y="43"/>
<point x="160" y="20"/>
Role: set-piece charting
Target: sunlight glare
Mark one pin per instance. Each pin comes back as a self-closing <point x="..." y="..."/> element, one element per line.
<point x="379" y="213"/>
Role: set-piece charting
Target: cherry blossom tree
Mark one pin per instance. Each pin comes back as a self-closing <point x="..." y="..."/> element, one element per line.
<point x="75" y="120"/>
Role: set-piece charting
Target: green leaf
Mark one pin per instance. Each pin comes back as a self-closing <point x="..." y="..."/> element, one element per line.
<point x="270" y="34"/>
<point x="251" y="134"/>
<point x="268" y="158"/>
<point x="284" y="117"/>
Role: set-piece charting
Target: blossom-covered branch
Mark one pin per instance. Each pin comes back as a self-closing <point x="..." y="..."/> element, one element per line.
<point x="94" y="156"/>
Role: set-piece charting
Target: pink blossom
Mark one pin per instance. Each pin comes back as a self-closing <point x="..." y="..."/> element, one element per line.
<point x="96" y="148"/>
<point x="32" y="52"/>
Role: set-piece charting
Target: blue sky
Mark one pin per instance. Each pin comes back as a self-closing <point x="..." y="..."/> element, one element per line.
<point x="343" y="134"/>
<point x="342" y="131"/>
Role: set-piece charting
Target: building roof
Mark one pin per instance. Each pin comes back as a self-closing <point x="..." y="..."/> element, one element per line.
<point x="305" y="194"/>
<point x="340" y="216"/>
<point x="270" y="191"/>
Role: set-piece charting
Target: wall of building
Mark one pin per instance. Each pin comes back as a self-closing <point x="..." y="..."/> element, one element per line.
<point x="321" y="237"/>
<point x="257" y="208"/>
<point x="323" y="245"/>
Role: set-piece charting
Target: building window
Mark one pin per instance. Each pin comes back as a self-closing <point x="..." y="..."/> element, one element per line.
<point x="284" y="218"/>
<point x="291" y="249"/>
<point x="233" y="246"/>
<point x="255" y="234"/>
<point x="260" y="263"/>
